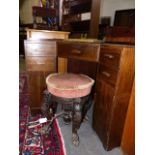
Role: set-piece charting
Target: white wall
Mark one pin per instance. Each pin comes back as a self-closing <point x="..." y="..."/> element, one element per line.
<point x="108" y="7"/>
<point x="25" y="10"/>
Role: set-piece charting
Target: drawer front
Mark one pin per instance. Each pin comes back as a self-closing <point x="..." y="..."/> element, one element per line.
<point x="110" y="57"/>
<point x="89" y="52"/>
<point x="107" y="74"/>
<point x="33" y="48"/>
<point x="41" y="64"/>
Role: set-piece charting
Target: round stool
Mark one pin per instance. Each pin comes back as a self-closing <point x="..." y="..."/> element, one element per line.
<point x="72" y="91"/>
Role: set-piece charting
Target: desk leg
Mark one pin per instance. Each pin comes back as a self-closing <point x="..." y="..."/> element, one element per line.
<point x="62" y="65"/>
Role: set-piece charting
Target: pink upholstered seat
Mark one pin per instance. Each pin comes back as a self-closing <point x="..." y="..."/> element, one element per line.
<point x="68" y="85"/>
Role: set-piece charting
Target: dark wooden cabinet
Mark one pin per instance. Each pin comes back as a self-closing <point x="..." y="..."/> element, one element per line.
<point x="125" y="18"/>
<point x="113" y="87"/>
<point x="40" y="61"/>
<point x="77" y="22"/>
<point x="47" y="16"/>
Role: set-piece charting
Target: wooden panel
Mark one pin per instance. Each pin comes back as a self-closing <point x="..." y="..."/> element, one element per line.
<point x="40" y="48"/>
<point x="36" y="86"/>
<point x="102" y="108"/>
<point x="62" y="65"/>
<point x="82" y="67"/>
<point x="127" y="70"/>
<point x="117" y="119"/>
<point x="82" y="51"/>
<point x="128" y="138"/>
<point x="41" y="64"/>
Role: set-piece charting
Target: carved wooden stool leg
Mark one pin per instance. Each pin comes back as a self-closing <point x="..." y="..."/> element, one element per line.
<point x="77" y="116"/>
<point x="49" y="106"/>
<point x="86" y="107"/>
<point x="67" y="108"/>
<point x="46" y="104"/>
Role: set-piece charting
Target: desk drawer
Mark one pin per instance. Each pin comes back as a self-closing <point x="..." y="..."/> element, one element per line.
<point x="89" y="52"/>
<point x="40" y="48"/>
<point x="41" y="64"/>
<point x="110" y="57"/>
<point x="107" y="74"/>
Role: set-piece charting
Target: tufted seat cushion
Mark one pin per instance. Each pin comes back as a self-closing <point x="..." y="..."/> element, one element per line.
<point x="68" y="85"/>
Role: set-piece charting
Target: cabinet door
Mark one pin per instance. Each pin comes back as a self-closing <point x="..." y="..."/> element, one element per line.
<point x="102" y="110"/>
<point x="36" y="86"/>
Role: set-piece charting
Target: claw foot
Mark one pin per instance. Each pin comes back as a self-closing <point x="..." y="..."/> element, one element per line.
<point x="75" y="139"/>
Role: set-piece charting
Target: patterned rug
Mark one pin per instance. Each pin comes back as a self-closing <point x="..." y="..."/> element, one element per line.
<point x="31" y="141"/>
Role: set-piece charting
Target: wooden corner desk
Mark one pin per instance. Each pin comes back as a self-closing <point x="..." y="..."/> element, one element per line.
<point x="111" y="65"/>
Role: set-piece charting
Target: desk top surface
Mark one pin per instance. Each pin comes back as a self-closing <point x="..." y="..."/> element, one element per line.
<point x="46" y="31"/>
<point x="93" y="41"/>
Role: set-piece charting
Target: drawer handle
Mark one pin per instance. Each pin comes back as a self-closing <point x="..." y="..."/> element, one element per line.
<point x="76" y="52"/>
<point x="106" y="74"/>
<point x="109" y="56"/>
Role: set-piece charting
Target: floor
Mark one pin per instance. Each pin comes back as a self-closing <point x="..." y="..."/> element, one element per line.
<point x="90" y="144"/>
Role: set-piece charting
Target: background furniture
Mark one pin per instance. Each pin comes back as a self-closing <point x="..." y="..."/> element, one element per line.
<point x="72" y="17"/>
<point x="113" y="87"/>
<point x="40" y="61"/>
<point x="123" y="28"/>
<point x="120" y="34"/>
<point x="105" y="22"/>
<point x="125" y="18"/>
<point x="48" y="14"/>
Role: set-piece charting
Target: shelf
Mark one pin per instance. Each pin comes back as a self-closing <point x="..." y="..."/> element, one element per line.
<point x="80" y="26"/>
<point x="71" y="18"/>
<point x="48" y="18"/>
<point x="76" y="3"/>
<point x="78" y="6"/>
<point x="43" y="12"/>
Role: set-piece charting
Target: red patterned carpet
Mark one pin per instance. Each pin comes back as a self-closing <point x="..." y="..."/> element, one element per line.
<point x="31" y="141"/>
